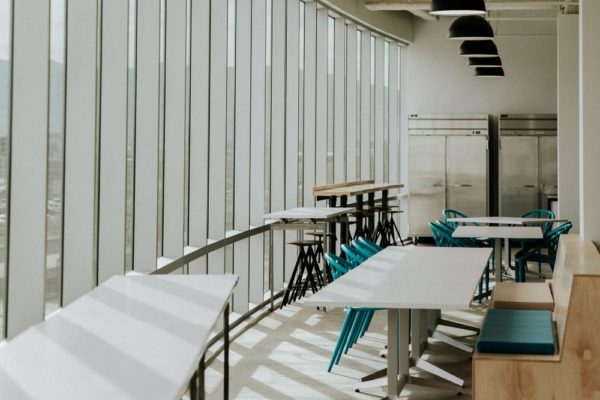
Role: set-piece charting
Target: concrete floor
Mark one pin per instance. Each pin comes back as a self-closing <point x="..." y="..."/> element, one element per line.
<point x="285" y="356"/>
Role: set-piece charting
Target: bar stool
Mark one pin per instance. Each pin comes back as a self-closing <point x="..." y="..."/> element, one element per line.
<point x="319" y="251"/>
<point x="362" y="227"/>
<point x="306" y="263"/>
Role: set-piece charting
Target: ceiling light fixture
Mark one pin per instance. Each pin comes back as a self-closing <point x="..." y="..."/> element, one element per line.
<point x="484" y="62"/>
<point x="470" y="27"/>
<point x="457" y="7"/>
<point x="478" y="48"/>
<point x="497" y="72"/>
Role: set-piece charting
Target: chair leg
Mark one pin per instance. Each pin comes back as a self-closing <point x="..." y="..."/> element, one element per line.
<point x="341" y="338"/>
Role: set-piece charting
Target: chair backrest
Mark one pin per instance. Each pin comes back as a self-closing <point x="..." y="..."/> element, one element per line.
<point x="553" y="237"/>
<point x="353" y="256"/>
<point x="445" y="230"/>
<point x="368" y="243"/>
<point x="541" y="213"/>
<point x="337" y="265"/>
<point x="438" y="235"/>
<point x="450" y="213"/>
<point x="362" y="249"/>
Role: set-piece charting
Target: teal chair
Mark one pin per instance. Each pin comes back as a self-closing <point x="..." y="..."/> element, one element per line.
<point x="546" y="227"/>
<point x="450" y="213"/>
<point x="353" y="256"/>
<point x="363" y="249"/>
<point x="368" y="243"/>
<point x="442" y="235"/>
<point x="534" y="251"/>
<point x="357" y="319"/>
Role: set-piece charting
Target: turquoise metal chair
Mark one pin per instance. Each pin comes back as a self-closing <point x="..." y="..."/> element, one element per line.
<point x="534" y="252"/>
<point x="363" y="249"/>
<point x="357" y="319"/>
<point x="546" y="227"/>
<point x="368" y="243"/>
<point x="450" y="213"/>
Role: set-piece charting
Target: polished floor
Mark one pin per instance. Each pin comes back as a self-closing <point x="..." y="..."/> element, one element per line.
<point x="285" y="356"/>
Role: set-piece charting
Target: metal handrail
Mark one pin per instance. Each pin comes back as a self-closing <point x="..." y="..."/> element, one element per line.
<point x="203" y="251"/>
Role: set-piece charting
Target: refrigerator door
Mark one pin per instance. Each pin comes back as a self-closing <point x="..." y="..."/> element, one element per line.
<point x="518" y="174"/>
<point x="426" y="171"/>
<point x="548" y="165"/>
<point x="467" y="174"/>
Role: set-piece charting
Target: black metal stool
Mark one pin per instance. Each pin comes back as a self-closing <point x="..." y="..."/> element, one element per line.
<point x="305" y="264"/>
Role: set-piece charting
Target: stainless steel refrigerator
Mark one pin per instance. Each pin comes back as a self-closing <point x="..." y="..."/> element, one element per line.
<point x="527" y="150"/>
<point x="447" y="167"/>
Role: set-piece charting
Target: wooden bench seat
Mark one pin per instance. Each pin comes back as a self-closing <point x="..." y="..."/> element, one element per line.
<point x="522" y="296"/>
<point x="573" y="372"/>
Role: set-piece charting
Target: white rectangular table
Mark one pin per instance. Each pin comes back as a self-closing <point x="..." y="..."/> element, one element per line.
<point x="308" y="213"/>
<point x="400" y="279"/>
<point x="498" y="233"/>
<point x="504" y="220"/>
<point x="131" y="338"/>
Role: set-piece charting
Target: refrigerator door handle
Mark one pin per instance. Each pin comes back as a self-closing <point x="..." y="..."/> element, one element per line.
<point x="460" y="185"/>
<point x="438" y="185"/>
<point x="528" y="186"/>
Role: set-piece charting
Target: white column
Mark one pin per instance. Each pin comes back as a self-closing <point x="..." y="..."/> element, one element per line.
<point x="365" y="106"/>
<point x="321" y="101"/>
<point x="310" y="106"/>
<point x="174" y="166"/>
<point x="80" y="151"/>
<point x="29" y="138"/>
<point x="257" y="148"/>
<point x="218" y="131"/>
<point x="339" y="101"/>
<point x="278" y="133"/>
<point x="147" y="129"/>
<point x="568" y="118"/>
<point x="291" y="124"/>
<point x="199" y="126"/>
<point x="379" y="126"/>
<point x="113" y="135"/>
<point x="243" y="32"/>
<point x="394" y="133"/>
<point x="589" y="119"/>
<point x="351" y="104"/>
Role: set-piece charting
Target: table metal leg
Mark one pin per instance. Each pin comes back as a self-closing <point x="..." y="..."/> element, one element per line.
<point x="331" y="229"/>
<point x="507" y="252"/>
<point x="371" y="218"/>
<point x="201" y="390"/>
<point x="359" y="219"/>
<point x="498" y="258"/>
<point x="226" y="353"/>
<point x="344" y="225"/>
<point x="393" y="352"/>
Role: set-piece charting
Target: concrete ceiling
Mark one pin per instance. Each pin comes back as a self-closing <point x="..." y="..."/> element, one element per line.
<point x="501" y="10"/>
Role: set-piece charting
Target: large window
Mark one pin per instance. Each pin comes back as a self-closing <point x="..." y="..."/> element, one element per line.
<point x="5" y="49"/>
<point x="312" y="128"/>
<point x="56" y="134"/>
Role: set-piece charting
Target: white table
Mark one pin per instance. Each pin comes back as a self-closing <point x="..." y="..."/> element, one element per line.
<point x="131" y="338"/>
<point x="408" y="278"/>
<point x="308" y="213"/>
<point x="504" y="220"/>
<point x="498" y="233"/>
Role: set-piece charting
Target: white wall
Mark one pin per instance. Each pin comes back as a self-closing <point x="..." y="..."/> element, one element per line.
<point x="440" y="82"/>
<point x="568" y="118"/>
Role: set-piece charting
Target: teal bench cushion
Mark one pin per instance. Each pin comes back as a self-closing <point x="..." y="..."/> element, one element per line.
<point x="517" y="332"/>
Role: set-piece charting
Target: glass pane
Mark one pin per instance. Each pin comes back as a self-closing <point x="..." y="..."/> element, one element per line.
<point x="230" y="156"/>
<point x="301" y="109"/>
<point x="330" y="94"/>
<point x="372" y="111"/>
<point x="386" y="109"/>
<point x="5" y="40"/>
<point x="56" y="125"/>
<point x="358" y="100"/>
<point x="131" y="77"/>
<point x="161" y="125"/>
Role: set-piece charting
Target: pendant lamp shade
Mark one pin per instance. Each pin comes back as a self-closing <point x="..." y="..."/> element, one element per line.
<point x="497" y="72"/>
<point x="470" y="27"/>
<point x="483" y="62"/>
<point x="478" y="48"/>
<point x="457" y="7"/>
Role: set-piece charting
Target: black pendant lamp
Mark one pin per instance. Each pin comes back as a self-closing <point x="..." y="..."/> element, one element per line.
<point x="457" y="7"/>
<point x="478" y="48"/>
<point x="483" y="62"/>
<point x="497" y="72"/>
<point x="470" y="27"/>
